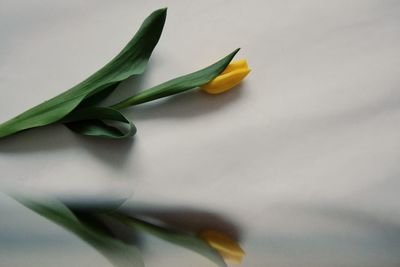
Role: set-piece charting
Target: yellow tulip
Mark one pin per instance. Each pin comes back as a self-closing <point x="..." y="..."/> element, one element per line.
<point x="229" y="249"/>
<point x="234" y="73"/>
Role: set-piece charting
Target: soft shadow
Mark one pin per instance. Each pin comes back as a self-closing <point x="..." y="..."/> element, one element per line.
<point x="109" y="151"/>
<point x="36" y="140"/>
<point x="58" y="137"/>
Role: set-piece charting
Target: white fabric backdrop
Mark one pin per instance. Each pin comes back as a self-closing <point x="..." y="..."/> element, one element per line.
<point x="302" y="158"/>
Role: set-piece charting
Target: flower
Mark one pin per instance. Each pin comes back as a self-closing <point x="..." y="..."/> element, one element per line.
<point x="234" y="73"/>
<point x="224" y="245"/>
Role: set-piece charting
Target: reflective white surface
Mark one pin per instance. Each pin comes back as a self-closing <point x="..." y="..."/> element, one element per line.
<point x="302" y="158"/>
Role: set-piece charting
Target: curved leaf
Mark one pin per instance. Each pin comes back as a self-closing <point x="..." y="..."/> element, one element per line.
<point x="132" y="60"/>
<point x="180" y="84"/>
<point x="100" y="122"/>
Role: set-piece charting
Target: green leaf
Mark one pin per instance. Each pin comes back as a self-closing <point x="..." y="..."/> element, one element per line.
<point x="179" y="238"/>
<point x="132" y="60"/>
<point x="100" y="122"/>
<point x="97" y="97"/>
<point x="117" y="252"/>
<point x="180" y="84"/>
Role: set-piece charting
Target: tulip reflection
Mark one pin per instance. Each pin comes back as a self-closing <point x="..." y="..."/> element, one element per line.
<point x="96" y="225"/>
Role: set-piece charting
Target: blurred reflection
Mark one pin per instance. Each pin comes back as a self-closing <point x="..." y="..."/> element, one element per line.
<point x="113" y="231"/>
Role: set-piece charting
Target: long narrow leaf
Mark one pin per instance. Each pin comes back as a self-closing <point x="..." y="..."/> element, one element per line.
<point x="180" y="84"/>
<point x="132" y="60"/>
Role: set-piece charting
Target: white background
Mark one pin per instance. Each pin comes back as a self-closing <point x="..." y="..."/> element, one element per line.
<point x="300" y="162"/>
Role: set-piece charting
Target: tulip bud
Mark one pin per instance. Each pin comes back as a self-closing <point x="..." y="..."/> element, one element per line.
<point x="233" y="74"/>
<point x="224" y="245"/>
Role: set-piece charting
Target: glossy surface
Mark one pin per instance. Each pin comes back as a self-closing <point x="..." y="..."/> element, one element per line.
<point x="300" y="161"/>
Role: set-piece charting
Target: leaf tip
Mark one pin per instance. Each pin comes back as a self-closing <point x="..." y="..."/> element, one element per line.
<point x="162" y="11"/>
<point x="236" y="50"/>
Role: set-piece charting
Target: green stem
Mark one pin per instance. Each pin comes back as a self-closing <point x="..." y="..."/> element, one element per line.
<point x="141" y="97"/>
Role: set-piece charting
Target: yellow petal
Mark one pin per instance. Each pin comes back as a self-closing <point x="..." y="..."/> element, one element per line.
<point x="226" y="247"/>
<point x="234" y="65"/>
<point x="226" y="81"/>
